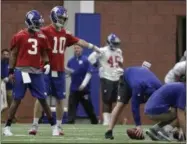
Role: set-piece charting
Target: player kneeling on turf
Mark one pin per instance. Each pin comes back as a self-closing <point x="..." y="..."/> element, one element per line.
<point x="137" y="83"/>
<point x="167" y="106"/>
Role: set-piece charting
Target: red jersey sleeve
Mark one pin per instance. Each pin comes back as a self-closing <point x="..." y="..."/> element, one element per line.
<point x="14" y="42"/>
<point x="71" y="40"/>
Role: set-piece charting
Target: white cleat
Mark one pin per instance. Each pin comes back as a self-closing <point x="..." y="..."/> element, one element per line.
<point x="34" y="129"/>
<point x="7" y="132"/>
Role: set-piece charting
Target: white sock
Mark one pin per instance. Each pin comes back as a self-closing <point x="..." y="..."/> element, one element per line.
<point x="59" y="122"/>
<point x="168" y="128"/>
<point x="106" y="118"/>
<point x="109" y="117"/>
<point x="36" y="120"/>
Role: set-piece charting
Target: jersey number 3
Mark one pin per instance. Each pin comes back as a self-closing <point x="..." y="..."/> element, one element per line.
<point x="34" y="49"/>
<point x="61" y="41"/>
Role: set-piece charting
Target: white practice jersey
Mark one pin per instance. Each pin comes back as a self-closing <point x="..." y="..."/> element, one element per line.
<point x="109" y="62"/>
<point x="178" y="70"/>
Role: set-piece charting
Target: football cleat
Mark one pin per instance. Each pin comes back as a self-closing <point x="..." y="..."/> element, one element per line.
<point x="109" y="135"/>
<point x="7" y="131"/>
<point x="33" y="130"/>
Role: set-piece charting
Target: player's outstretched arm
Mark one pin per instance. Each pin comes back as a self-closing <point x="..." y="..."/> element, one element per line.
<point x="135" y="105"/>
<point x="84" y="43"/>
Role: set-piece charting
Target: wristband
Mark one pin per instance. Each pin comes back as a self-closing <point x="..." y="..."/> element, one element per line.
<point x="11" y="71"/>
<point x="47" y="62"/>
<point x="90" y="46"/>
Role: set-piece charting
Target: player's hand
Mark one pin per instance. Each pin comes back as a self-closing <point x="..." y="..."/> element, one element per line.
<point x="69" y="71"/>
<point x="139" y="131"/>
<point x="81" y="87"/>
<point x="11" y="75"/>
<point x="47" y="69"/>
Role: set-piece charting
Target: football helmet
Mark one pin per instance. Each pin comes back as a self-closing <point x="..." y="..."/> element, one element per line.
<point x="113" y="41"/>
<point x="34" y="20"/>
<point x="59" y="16"/>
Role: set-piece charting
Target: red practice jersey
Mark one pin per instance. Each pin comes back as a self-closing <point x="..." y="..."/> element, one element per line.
<point x="29" y="48"/>
<point x="59" y="41"/>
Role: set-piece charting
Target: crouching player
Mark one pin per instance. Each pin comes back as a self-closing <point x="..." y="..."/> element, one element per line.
<point x="167" y="106"/>
<point x="137" y="83"/>
<point x="28" y="47"/>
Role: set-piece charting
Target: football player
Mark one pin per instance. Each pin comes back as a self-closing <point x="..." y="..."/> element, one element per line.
<point x="137" y="83"/>
<point x="167" y="106"/>
<point x="28" y="47"/>
<point x="109" y="60"/>
<point x="59" y="39"/>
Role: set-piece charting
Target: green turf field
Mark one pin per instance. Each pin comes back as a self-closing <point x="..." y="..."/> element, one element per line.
<point x="79" y="133"/>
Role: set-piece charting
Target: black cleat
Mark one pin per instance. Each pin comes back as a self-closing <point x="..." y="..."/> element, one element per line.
<point x="109" y="135"/>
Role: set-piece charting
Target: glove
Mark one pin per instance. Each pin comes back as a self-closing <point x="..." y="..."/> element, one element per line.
<point x="47" y="68"/>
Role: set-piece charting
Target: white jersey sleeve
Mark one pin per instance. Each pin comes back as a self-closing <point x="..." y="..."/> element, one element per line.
<point x="94" y="56"/>
<point x="178" y="70"/>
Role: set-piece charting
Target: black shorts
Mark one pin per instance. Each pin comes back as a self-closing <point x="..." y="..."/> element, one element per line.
<point x="124" y="92"/>
<point x="109" y="90"/>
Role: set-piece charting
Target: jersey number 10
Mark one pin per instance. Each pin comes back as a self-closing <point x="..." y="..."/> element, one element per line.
<point x="61" y="41"/>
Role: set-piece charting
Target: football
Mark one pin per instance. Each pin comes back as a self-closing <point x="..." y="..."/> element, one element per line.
<point x="132" y="135"/>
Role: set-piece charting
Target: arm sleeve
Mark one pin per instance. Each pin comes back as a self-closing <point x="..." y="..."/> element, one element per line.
<point x="135" y="106"/>
<point x="86" y="79"/>
<point x="181" y="103"/>
<point x="71" y="40"/>
<point x="93" y="57"/>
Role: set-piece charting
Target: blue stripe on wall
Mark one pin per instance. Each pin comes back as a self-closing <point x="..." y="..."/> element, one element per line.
<point x="87" y="27"/>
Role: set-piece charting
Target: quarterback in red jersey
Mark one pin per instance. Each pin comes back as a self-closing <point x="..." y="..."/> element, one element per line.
<point x="59" y="39"/>
<point x="28" y="47"/>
